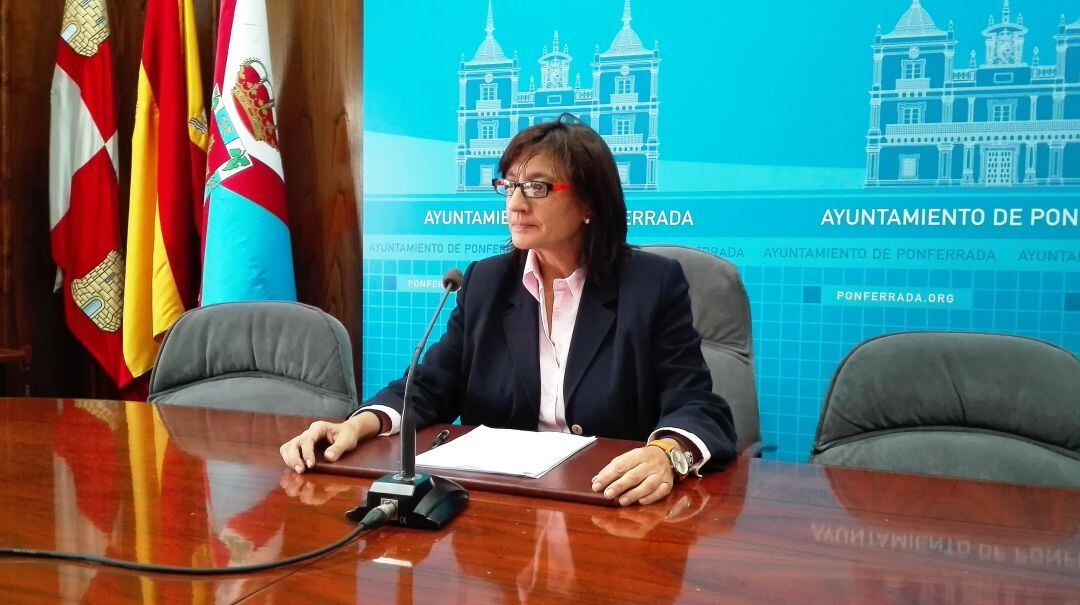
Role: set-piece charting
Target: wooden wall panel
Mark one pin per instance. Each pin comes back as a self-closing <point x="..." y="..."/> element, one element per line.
<point x="317" y="62"/>
<point x="315" y="46"/>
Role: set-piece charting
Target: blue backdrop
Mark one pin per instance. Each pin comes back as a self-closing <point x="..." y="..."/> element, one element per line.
<point x="870" y="167"/>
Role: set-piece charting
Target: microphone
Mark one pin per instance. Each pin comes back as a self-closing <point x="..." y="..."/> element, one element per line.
<point x="422" y="501"/>
<point x="451" y="283"/>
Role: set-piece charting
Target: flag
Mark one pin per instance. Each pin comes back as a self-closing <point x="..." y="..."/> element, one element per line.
<point x="248" y="254"/>
<point x="84" y="200"/>
<point x="168" y="164"/>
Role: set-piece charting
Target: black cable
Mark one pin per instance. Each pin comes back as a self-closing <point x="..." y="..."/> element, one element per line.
<point x="375" y="518"/>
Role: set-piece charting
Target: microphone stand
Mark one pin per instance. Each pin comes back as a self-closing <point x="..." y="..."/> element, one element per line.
<point x="408" y="418"/>
<point x="422" y="501"/>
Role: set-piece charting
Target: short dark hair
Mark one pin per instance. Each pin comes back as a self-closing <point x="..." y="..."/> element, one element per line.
<point x="583" y="159"/>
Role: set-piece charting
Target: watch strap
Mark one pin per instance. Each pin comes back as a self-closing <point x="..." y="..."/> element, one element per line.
<point x="670" y="451"/>
<point x="664" y="445"/>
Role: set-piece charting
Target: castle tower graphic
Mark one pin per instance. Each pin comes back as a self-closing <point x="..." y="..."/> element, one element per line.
<point x="86" y="26"/>
<point x="621" y="103"/>
<point x="100" y="293"/>
<point x="1004" y="120"/>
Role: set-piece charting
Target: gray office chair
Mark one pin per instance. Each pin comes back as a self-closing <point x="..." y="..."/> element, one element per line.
<point x="280" y="357"/>
<point x="978" y="406"/>
<point x="721" y="312"/>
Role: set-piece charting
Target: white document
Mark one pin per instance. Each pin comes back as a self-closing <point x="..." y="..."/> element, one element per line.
<point x="505" y="452"/>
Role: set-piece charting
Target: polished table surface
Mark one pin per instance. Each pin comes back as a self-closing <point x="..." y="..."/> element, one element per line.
<point x="199" y="487"/>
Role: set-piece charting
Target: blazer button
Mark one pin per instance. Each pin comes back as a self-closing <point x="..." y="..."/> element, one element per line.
<point x="576" y="429"/>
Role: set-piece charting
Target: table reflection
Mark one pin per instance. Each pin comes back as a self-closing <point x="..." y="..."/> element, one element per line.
<point x="543" y="552"/>
<point x="637" y="522"/>
<point x="952" y="532"/>
<point x="87" y="493"/>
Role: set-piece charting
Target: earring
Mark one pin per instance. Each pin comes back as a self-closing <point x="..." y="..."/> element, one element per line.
<point x="587" y="220"/>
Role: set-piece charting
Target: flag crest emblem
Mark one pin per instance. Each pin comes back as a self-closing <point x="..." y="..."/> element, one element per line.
<point x="100" y="293"/>
<point x="255" y="101"/>
<point x="86" y="26"/>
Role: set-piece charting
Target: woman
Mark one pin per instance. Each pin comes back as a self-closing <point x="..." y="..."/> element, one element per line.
<point x="571" y="330"/>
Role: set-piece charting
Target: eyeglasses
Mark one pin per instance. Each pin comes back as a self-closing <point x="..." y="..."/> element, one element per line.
<point x="530" y="189"/>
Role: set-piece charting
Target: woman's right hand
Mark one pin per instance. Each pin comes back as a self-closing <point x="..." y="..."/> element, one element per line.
<point x="298" y="453"/>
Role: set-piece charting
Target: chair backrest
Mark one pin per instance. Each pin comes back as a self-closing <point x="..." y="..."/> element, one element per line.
<point x="280" y="357"/>
<point x="973" y="405"/>
<point x="721" y="312"/>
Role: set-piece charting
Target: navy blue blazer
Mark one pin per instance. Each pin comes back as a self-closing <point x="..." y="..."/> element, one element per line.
<point x="634" y="365"/>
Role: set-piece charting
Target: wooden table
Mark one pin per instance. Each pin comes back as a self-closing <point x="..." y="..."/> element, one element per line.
<point x="186" y="486"/>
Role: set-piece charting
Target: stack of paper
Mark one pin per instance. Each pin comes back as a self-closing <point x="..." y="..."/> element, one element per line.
<point x="505" y="451"/>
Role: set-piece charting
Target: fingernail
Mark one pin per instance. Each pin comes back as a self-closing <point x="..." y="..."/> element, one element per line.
<point x="596" y="486"/>
<point x="299" y="468"/>
<point x="609" y="493"/>
<point x="310" y="462"/>
<point x="623" y="501"/>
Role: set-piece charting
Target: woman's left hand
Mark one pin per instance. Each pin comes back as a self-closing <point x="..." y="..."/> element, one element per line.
<point x="641" y="475"/>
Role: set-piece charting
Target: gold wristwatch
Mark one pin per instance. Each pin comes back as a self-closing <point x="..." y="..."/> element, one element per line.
<point x="680" y="461"/>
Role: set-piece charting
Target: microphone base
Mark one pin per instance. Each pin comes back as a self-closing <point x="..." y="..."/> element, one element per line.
<point x="424" y="502"/>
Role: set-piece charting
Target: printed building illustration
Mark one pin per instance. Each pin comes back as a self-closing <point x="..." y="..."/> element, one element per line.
<point x="1007" y="120"/>
<point x="621" y="103"/>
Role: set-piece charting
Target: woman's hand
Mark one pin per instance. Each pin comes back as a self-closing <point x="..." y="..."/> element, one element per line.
<point x="298" y="453"/>
<point x="642" y="475"/>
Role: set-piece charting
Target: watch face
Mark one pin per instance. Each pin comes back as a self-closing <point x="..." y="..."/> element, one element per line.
<point x="679" y="462"/>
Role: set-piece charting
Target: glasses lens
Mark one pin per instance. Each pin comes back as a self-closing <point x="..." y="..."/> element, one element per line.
<point x="534" y="189"/>
<point x="500" y="186"/>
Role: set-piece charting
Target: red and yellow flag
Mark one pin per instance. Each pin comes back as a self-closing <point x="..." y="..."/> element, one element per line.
<point x="168" y="169"/>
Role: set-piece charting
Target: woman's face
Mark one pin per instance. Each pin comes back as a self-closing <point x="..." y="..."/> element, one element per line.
<point x="553" y="224"/>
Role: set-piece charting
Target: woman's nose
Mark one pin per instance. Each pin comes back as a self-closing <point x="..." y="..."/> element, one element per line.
<point x="516" y="202"/>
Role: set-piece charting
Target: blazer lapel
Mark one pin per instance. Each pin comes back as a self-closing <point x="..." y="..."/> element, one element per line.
<point x="594" y="321"/>
<point x="521" y="322"/>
